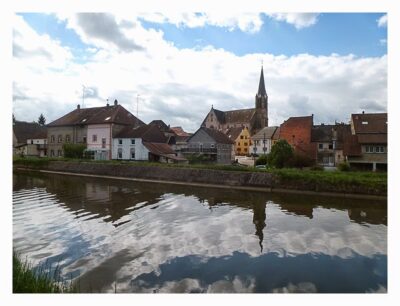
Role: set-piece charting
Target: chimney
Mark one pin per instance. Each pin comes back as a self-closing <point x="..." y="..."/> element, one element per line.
<point x="115" y="102"/>
<point x="363" y="112"/>
<point x="78" y="107"/>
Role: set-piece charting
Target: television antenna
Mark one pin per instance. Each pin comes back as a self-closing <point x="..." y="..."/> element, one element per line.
<point x="83" y="95"/>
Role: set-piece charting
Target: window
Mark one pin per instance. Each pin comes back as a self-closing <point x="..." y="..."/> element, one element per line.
<point x="52" y="139"/>
<point x="320" y="146"/>
<point x="241" y="136"/>
<point x="212" y="117"/>
<point x="379" y="149"/>
<point x="245" y="144"/>
<point x="59" y="138"/>
<point x="119" y="156"/>
<point x="132" y="141"/>
<point x="239" y="149"/>
<point x="103" y="143"/>
<point x="94" y="138"/>
<point x="132" y="153"/>
<point x="59" y="153"/>
<point x="365" y="122"/>
<point x="245" y="149"/>
<point x="120" y="141"/>
<point x="238" y="143"/>
<point x="84" y="139"/>
<point x="52" y="153"/>
<point x="212" y="146"/>
<point x="67" y="138"/>
<point x="330" y="147"/>
<point x="32" y="141"/>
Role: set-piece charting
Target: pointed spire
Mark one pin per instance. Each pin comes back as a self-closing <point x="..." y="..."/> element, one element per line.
<point x="261" y="86"/>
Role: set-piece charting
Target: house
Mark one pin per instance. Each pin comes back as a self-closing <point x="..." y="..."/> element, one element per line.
<point x="262" y="141"/>
<point x="212" y="144"/>
<point x="253" y="119"/>
<point x="329" y="142"/>
<point x="241" y="137"/>
<point x="29" y="139"/>
<point x="144" y="143"/>
<point x="93" y="127"/>
<point x="366" y="146"/>
<point x="297" y="132"/>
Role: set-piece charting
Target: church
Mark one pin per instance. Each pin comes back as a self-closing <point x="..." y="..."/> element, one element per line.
<point x="254" y="119"/>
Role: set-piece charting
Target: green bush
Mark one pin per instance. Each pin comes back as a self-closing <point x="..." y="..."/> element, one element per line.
<point x="281" y="154"/>
<point x="262" y="160"/>
<point x="299" y="160"/>
<point x="317" y="168"/>
<point x="73" y="150"/>
<point x="344" y="166"/>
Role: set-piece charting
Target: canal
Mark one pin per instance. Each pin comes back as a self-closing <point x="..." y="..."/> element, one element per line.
<point x="124" y="236"/>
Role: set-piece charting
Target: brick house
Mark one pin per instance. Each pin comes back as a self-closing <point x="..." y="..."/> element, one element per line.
<point x="297" y="132"/>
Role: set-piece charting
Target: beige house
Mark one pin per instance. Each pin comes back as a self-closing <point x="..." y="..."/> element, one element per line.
<point x="263" y="140"/>
<point x="94" y="127"/>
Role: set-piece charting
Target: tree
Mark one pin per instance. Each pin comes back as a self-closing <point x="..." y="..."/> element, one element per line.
<point x="262" y="160"/>
<point x="281" y="154"/>
<point x="42" y="120"/>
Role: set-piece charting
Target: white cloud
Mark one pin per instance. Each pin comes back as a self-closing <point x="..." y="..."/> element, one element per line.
<point x="180" y="85"/>
<point x="299" y="20"/>
<point x="382" y="22"/>
<point x="246" y="22"/>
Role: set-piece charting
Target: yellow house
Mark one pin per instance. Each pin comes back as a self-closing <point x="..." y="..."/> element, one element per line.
<point x="241" y="137"/>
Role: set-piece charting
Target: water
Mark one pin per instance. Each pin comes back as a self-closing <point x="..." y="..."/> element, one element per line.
<point x="126" y="236"/>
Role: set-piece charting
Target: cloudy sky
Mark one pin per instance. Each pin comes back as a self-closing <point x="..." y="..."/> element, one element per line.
<point x="175" y="66"/>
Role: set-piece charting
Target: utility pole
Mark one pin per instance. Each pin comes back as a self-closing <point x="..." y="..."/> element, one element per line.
<point x="264" y="149"/>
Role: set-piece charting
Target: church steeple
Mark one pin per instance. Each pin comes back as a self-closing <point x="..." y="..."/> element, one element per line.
<point x="261" y="85"/>
<point x="261" y="118"/>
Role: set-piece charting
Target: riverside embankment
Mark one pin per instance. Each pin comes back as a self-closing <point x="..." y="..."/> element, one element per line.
<point x="347" y="184"/>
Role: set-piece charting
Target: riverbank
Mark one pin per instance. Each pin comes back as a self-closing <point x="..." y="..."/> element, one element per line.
<point x="347" y="184"/>
<point x="41" y="280"/>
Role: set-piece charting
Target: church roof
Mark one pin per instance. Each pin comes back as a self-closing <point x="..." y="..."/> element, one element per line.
<point x="261" y="85"/>
<point x="239" y="115"/>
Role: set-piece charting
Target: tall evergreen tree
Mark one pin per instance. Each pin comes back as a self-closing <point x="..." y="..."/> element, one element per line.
<point x="42" y="120"/>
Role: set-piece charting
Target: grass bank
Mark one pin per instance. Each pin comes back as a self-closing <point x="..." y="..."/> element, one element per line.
<point x="42" y="279"/>
<point x="297" y="179"/>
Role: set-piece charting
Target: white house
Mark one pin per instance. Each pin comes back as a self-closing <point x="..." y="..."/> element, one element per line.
<point x="104" y="125"/>
<point x="145" y="143"/>
<point x="262" y="141"/>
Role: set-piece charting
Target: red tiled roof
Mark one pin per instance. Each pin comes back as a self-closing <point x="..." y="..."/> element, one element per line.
<point x="97" y="115"/>
<point x="158" y="148"/>
<point x="179" y="131"/>
<point x="370" y="123"/>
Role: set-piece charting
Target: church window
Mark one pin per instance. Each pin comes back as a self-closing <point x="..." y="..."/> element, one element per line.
<point x="241" y="136"/>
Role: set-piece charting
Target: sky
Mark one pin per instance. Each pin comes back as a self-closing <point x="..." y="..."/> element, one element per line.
<point x="176" y="66"/>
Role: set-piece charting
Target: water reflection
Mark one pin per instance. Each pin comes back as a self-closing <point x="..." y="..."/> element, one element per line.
<point x="142" y="237"/>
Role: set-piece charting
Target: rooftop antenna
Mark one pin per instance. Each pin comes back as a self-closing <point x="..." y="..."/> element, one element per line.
<point x="83" y="95"/>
